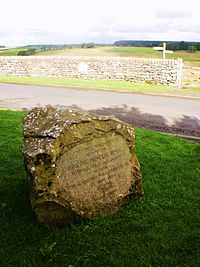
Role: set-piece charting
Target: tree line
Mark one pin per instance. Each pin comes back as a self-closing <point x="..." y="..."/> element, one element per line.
<point x="33" y="49"/>
<point x="195" y="46"/>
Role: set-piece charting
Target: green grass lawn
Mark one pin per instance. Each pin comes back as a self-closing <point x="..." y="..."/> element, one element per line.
<point x="163" y="229"/>
<point x="83" y="83"/>
<point x="93" y="84"/>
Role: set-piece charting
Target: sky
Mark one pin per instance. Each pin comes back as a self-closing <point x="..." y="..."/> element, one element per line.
<point x="24" y="22"/>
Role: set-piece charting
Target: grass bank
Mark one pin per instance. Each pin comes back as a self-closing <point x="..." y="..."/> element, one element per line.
<point x="163" y="229"/>
<point x="84" y="83"/>
<point x="94" y="84"/>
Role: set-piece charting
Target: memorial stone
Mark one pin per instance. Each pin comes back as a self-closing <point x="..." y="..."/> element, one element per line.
<point x="79" y="165"/>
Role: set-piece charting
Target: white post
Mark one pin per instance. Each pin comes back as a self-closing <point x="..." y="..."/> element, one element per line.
<point x="179" y="73"/>
<point x="164" y="49"/>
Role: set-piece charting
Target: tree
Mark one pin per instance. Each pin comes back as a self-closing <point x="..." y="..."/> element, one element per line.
<point x="87" y="45"/>
<point x="149" y="44"/>
<point x="28" y="52"/>
<point x="182" y="45"/>
<point x="192" y="49"/>
<point x="22" y="53"/>
<point x="173" y="46"/>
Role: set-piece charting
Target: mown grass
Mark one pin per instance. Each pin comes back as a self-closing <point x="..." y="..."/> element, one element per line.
<point x="93" y="84"/>
<point x="84" y="83"/>
<point x="163" y="229"/>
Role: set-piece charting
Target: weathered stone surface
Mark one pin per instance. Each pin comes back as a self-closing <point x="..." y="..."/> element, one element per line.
<point x="78" y="164"/>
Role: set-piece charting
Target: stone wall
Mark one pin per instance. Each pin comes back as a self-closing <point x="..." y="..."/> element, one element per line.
<point x="158" y="71"/>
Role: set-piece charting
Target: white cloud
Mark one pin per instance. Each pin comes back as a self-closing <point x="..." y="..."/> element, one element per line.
<point x="49" y="21"/>
<point x="172" y="14"/>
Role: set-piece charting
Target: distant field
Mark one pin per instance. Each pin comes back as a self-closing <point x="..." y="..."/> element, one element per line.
<point x="192" y="58"/>
<point x="104" y="51"/>
<point x="146" y="52"/>
<point x="13" y="51"/>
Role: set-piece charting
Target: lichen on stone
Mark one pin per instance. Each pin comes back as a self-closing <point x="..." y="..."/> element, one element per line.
<point x="78" y="164"/>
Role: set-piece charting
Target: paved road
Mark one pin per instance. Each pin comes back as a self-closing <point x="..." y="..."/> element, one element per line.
<point x="169" y="114"/>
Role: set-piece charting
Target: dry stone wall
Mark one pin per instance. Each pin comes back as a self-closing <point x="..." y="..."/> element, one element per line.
<point x="156" y="71"/>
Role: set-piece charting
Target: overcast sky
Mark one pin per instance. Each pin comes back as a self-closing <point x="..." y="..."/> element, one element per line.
<point x="25" y="22"/>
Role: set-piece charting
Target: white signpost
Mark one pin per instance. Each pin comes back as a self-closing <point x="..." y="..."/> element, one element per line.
<point x="163" y="49"/>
